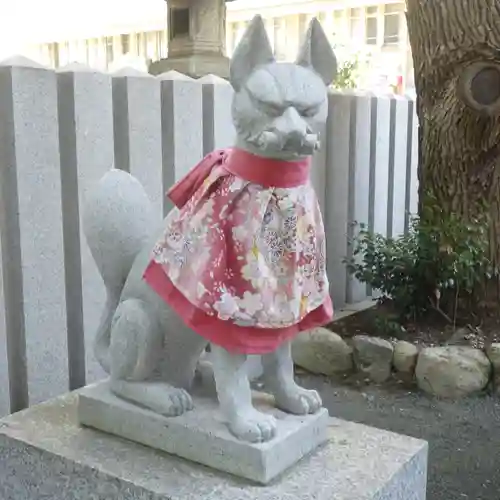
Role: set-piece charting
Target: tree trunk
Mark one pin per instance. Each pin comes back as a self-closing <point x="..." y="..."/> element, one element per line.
<point x="456" y="53"/>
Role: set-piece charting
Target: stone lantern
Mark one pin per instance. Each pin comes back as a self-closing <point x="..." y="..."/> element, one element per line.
<point x="196" y="39"/>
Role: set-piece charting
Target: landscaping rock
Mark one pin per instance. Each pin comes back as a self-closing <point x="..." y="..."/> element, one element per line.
<point x="322" y="351"/>
<point x="373" y="357"/>
<point x="493" y="353"/>
<point x="405" y="357"/>
<point x="452" y="371"/>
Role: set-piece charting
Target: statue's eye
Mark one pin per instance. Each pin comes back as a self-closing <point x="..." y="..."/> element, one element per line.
<point x="479" y="87"/>
<point x="310" y="111"/>
<point x="274" y="109"/>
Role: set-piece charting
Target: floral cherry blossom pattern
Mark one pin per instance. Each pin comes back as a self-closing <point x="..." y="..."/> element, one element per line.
<point x="247" y="253"/>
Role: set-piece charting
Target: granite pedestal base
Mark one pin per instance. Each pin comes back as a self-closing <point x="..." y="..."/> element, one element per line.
<point x="45" y="454"/>
<point x="201" y="435"/>
<point x="195" y="66"/>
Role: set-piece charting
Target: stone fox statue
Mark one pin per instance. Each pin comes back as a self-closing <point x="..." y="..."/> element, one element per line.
<point x="239" y="263"/>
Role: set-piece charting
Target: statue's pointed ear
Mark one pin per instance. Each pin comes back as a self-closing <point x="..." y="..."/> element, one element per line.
<point x="317" y="53"/>
<point x="253" y="50"/>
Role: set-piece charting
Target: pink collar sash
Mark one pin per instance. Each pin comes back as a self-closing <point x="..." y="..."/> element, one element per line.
<point x="256" y="169"/>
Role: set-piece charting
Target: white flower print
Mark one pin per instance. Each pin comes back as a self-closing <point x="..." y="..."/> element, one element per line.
<point x="251" y="303"/>
<point x="179" y="259"/>
<point x="174" y="238"/>
<point x="290" y="223"/>
<point x="290" y="243"/>
<point x="268" y="217"/>
<point x="284" y="309"/>
<point x="240" y="233"/>
<point x="274" y="245"/>
<point x="256" y="270"/>
<point x="236" y="185"/>
<point x="188" y="244"/>
<point x="226" y="306"/>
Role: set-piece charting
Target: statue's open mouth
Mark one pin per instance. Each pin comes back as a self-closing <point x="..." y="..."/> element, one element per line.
<point x="297" y="144"/>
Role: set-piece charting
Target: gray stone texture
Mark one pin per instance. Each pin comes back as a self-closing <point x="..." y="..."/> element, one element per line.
<point x="337" y="185"/>
<point x="31" y="232"/>
<point x="452" y="371"/>
<point x="201" y="436"/>
<point x="322" y="351"/>
<point x="4" y="372"/>
<point x="137" y="130"/>
<point x="493" y="353"/>
<point x="359" y="180"/>
<point x="200" y="51"/>
<point x="405" y="357"/>
<point x="379" y="159"/>
<point x="218" y="128"/>
<point x="368" y="157"/>
<point x="373" y="357"/>
<point x="397" y="168"/>
<point x="47" y="455"/>
<point x="181" y="127"/>
<point x="85" y="112"/>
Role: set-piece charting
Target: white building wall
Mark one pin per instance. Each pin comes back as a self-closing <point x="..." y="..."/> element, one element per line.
<point x="56" y="32"/>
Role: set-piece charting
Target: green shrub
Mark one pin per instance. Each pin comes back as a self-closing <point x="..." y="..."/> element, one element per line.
<point x="441" y="264"/>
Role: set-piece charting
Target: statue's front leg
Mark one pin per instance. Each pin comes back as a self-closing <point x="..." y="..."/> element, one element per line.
<point x="235" y="398"/>
<point x="279" y="380"/>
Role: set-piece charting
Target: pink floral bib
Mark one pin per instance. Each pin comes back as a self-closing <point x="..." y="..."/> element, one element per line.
<point x="242" y="257"/>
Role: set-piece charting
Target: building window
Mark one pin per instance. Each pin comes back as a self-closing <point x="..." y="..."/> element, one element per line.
<point x="302" y="24"/>
<point x="355" y="24"/>
<point x="392" y="20"/>
<point x="162" y="44"/>
<point x="154" y="45"/>
<point x="63" y="53"/>
<point x="233" y="37"/>
<point x="371" y="25"/>
<point x="279" y="39"/>
<point x="142" y="44"/>
<point x="87" y="51"/>
<point x="179" y="22"/>
<point x="138" y="44"/>
<point x="240" y="32"/>
<point x="125" y="42"/>
<point x="55" y="54"/>
<point x="337" y="23"/>
<point x="108" y="44"/>
<point x="94" y="51"/>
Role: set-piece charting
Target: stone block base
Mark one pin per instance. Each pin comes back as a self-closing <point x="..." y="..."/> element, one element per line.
<point x="45" y="454"/>
<point x="201" y="436"/>
<point x="195" y="66"/>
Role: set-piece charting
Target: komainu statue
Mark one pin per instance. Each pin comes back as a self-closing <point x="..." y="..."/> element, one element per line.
<point x="239" y="263"/>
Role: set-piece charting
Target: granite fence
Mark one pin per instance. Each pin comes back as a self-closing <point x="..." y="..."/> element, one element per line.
<point x="60" y="131"/>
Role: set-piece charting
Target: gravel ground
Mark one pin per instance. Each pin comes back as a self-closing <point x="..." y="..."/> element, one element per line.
<point x="463" y="436"/>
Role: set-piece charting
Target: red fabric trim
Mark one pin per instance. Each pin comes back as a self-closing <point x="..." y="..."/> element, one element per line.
<point x="267" y="172"/>
<point x="233" y="338"/>
<point x="182" y="191"/>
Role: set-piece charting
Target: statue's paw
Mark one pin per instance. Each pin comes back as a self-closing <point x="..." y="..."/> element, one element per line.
<point x="157" y="396"/>
<point x="178" y="402"/>
<point x="253" y="426"/>
<point x="299" y="401"/>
